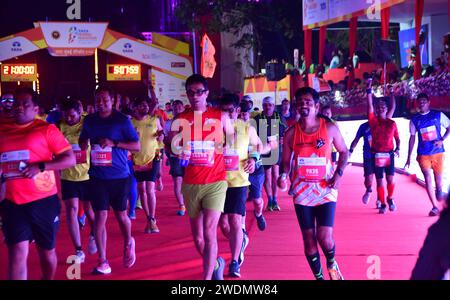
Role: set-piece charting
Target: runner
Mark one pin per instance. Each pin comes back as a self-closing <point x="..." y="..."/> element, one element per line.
<point x="75" y="179"/>
<point x="271" y="120"/>
<point x="364" y="132"/>
<point x="176" y="170"/>
<point x="315" y="182"/>
<point x="430" y="150"/>
<point x="145" y="168"/>
<point x="204" y="185"/>
<point x="31" y="150"/>
<point x="384" y="131"/>
<point x="6" y="112"/>
<point x="111" y="136"/>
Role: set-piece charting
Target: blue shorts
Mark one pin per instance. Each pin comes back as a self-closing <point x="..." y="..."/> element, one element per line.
<point x="235" y="200"/>
<point x="256" y="184"/>
<point x="322" y="214"/>
<point x="176" y="170"/>
<point x="369" y="167"/>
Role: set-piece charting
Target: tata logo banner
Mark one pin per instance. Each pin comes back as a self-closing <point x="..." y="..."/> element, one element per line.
<point x="73" y="39"/>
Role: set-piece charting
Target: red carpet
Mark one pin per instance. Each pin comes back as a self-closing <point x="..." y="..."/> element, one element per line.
<point x="276" y="253"/>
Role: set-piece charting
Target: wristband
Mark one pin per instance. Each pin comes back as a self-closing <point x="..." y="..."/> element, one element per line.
<point x="369" y="91"/>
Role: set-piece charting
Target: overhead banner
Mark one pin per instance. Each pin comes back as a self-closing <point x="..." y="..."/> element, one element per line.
<point x="407" y="39"/>
<point x="317" y="13"/>
<point x="72" y="38"/>
<point x="173" y="63"/>
<point x="21" y="43"/>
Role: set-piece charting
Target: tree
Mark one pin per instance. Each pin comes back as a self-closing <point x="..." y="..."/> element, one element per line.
<point x="231" y="16"/>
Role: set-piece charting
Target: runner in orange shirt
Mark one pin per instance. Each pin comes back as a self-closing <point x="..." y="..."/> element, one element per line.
<point x="31" y="150"/>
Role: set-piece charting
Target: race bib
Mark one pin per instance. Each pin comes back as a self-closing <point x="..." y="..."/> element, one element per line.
<point x="382" y="160"/>
<point x="231" y="158"/>
<point x="428" y="134"/>
<point x="101" y="156"/>
<point x="80" y="155"/>
<point x="202" y="153"/>
<point x="312" y="169"/>
<point x="13" y="162"/>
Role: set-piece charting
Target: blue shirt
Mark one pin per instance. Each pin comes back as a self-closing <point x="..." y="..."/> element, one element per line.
<point x="428" y="127"/>
<point x="364" y="132"/>
<point x="116" y="127"/>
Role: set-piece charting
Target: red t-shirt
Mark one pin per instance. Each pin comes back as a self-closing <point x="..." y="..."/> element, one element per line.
<point x="34" y="142"/>
<point x="209" y="130"/>
<point x="383" y="133"/>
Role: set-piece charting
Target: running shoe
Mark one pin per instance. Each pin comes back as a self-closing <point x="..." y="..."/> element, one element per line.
<point x="366" y="197"/>
<point x="234" y="270"/>
<point x="269" y="207"/>
<point x="151" y="227"/>
<point x="245" y="241"/>
<point x="434" y="212"/>
<point x="218" y="269"/>
<point x="138" y="204"/>
<point x="291" y="191"/>
<point x="129" y="254"/>
<point x="80" y="257"/>
<point x="378" y="204"/>
<point x="382" y="209"/>
<point x="181" y="211"/>
<point x="276" y="207"/>
<point x="92" y="246"/>
<point x="334" y="272"/>
<point x="102" y="267"/>
<point x="261" y="222"/>
<point x="391" y="203"/>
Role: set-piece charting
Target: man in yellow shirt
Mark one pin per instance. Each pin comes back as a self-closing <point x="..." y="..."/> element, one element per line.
<point x="74" y="180"/>
<point x="146" y="168"/>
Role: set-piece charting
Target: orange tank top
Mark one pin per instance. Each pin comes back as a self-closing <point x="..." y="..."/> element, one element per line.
<point x="312" y="154"/>
<point x="206" y="164"/>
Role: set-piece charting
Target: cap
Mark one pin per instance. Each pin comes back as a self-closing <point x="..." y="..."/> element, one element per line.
<point x="268" y="100"/>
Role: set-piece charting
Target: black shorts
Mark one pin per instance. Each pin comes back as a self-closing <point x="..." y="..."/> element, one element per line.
<point x="235" y="200"/>
<point x="278" y="163"/>
<point x="256" y="184"/>
<point x="379" y="171"/>
<point x="176" y="170"/>
<point x="369" y="167"/>
<point x="38" y="220"/>
<point x="150" y="175"/>
<point x="109" y="192"/>
<point x="322" y="214"/>
<point x="74" y="189"/>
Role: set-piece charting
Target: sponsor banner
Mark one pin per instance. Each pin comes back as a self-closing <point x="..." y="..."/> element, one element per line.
<point x="170" y="43"/>
<point x="168" y="87"/>
<point x="71" y="51"/>
<point x="73" y="34"/>
<point x="16" y="46"/>
<point x="407" y="39"/>
<point x="323" y="12"/>
<point x="149" y="54"/>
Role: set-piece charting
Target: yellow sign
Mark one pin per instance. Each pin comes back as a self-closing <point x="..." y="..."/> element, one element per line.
<point x="19" y="72"/>
<point x="121" y="72"/>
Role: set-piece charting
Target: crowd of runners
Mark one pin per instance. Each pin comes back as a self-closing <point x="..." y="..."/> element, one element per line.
<point x="220" y="156"/>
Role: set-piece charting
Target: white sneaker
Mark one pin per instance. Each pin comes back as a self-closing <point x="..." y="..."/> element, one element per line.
<point x="366" y="197"/>
<point x="80" y="257"/>
<point x="92" y="246"/>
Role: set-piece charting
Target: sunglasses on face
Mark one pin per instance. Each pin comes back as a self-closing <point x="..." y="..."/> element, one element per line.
<point x="7" y="100"/>
<point x="197" y="93"/>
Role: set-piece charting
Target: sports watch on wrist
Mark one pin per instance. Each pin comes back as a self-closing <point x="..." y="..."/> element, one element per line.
<point x="41" y="166"/>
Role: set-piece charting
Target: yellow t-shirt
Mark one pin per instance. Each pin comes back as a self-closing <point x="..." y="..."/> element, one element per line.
<point x="79" y="172"/>
<point x="146" y="129"/>
<point x="239" y="178"/>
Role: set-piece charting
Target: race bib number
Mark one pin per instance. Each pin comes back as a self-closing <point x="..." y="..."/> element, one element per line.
<point x="13" y="163"/>
<point x="231" y="158"/>
<point x="80" y="155"/>
<point x="101" y="156"/>
<point x="202" y="153"/>
<point x="428" y="134"/>
<point x="382" y="160"/>
<point x="312" y="169"/>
